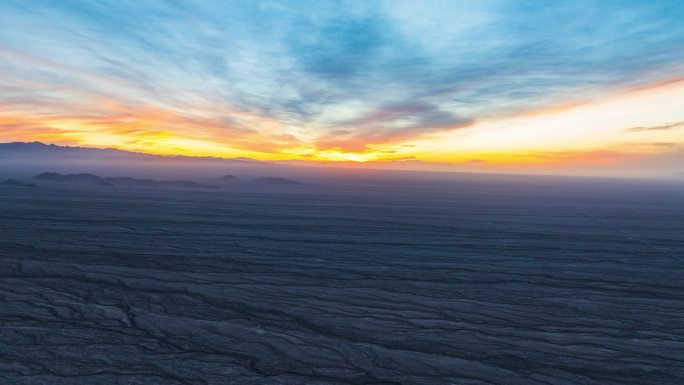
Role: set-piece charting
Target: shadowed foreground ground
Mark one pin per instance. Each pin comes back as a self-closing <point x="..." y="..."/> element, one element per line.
<point x="477" y="283"/>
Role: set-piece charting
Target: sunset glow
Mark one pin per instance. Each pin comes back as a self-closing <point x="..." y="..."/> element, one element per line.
<point x="509" y="88"/>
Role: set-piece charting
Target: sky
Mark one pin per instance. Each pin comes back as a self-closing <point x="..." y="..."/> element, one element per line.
<point x="575" y="87"/>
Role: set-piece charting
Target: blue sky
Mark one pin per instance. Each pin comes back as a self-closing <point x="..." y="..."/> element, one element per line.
<point x="323" y="75"/>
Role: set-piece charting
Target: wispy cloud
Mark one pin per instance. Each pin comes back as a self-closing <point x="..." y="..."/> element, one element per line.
<point x="295" y="77"/>
<point x="667" y="126"/>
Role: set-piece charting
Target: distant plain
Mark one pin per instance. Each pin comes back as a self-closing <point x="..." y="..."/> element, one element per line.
<point x="480" y="280"/>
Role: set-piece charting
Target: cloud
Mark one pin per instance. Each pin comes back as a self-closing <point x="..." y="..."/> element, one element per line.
<point x="656" y="128"/>
<point x="339" y="48"/>
<point x="271" y="75"/>
<point x="390" y="124"/>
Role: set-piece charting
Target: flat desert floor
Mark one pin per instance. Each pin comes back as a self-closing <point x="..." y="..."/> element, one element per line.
<point x="473" y="282"/>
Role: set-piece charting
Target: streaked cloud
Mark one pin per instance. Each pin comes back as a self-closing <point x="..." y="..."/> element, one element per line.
<point x="667" y="126"/>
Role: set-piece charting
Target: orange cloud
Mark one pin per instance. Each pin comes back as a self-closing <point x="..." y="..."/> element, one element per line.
<point x="107" y="123"/>
<point x="403" y="133"/>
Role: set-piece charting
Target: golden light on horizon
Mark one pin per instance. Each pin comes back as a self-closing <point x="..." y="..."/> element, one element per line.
<point x="540" y="137"/>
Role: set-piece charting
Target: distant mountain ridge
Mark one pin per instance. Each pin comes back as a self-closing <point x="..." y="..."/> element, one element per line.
<point x="91" y="179"/>
<point x="95" y="180"/>
<point x="20" y="149"/>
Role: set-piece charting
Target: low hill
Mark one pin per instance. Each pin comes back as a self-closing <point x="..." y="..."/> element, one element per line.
<point x="91" y="179"/>
<point x="82" y="178"/>
<point x="17" y="183"/>
<point x="277" y="181"/>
